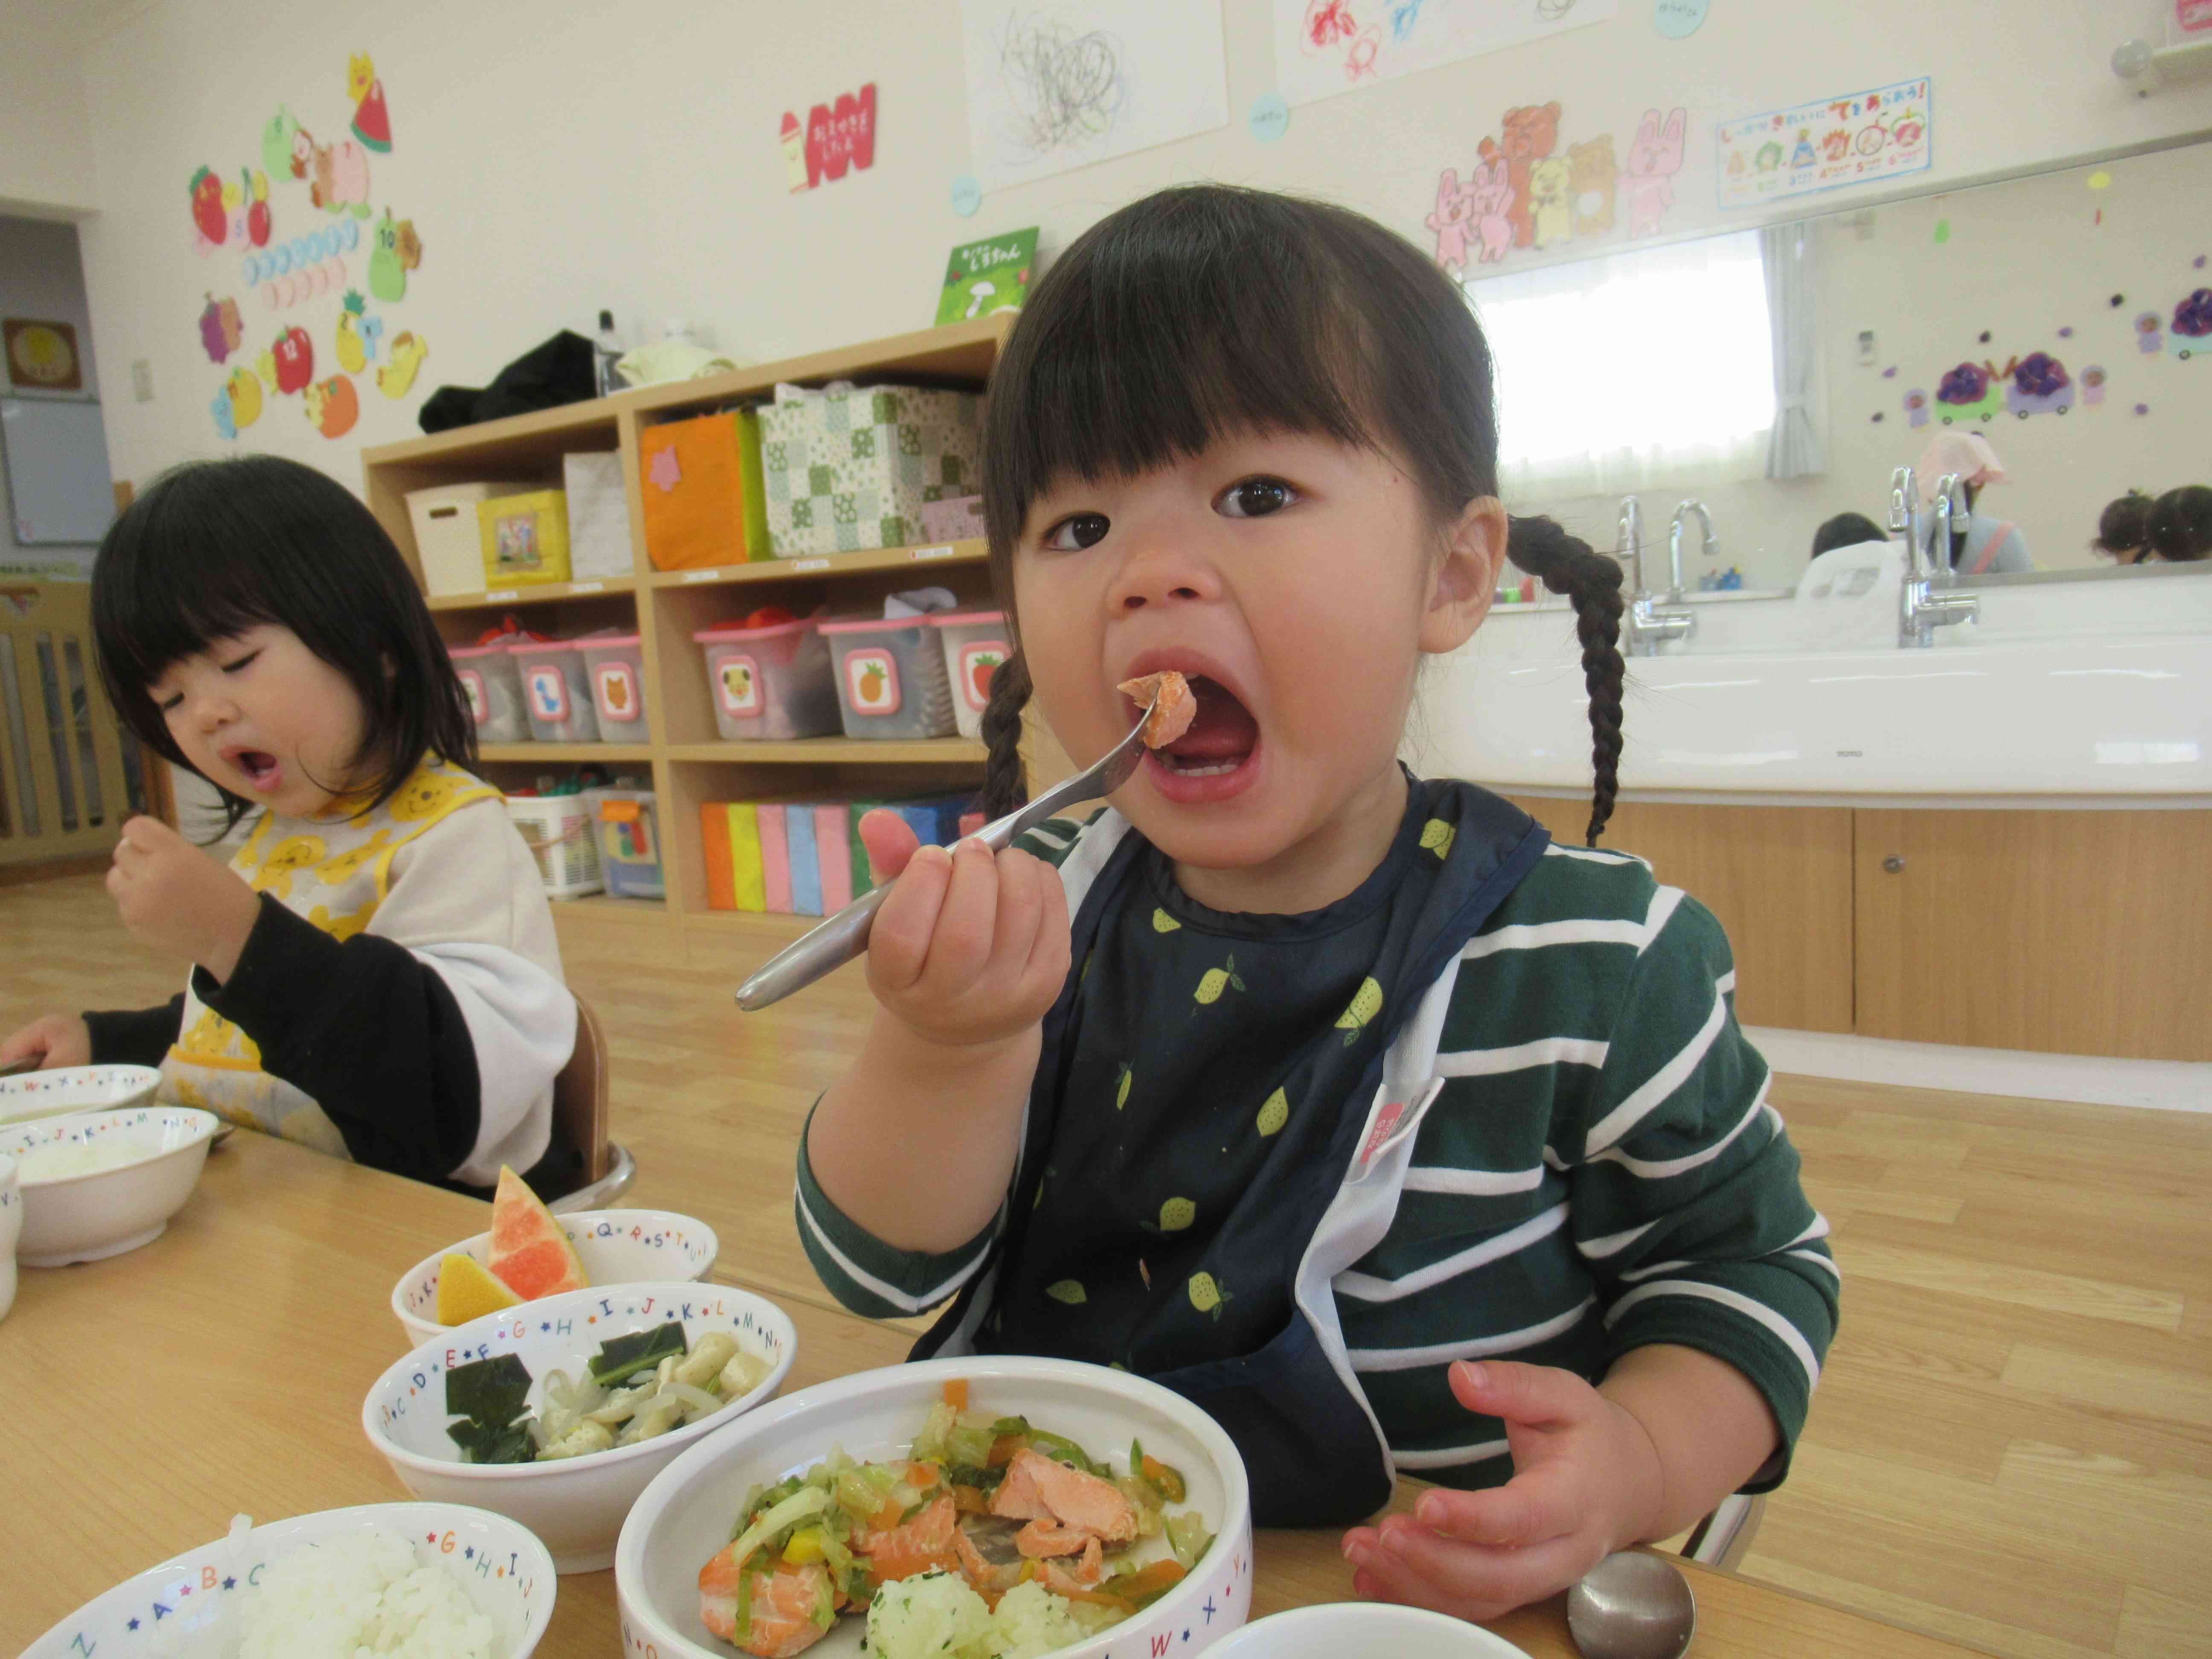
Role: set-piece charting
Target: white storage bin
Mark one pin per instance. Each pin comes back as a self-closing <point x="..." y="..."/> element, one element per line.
<point x="493" y="682"/>
<point x="561" y="834"/>
<point x="975" y="644"/>
<point x="599" y="517"/>
<point x="555" y="692"/>
<point x="447" y="542"/>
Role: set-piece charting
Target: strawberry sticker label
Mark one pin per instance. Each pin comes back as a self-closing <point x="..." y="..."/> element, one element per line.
<point x="618" y="692"/>
<point x="548" y="694"/>
<point x="872" y="682"/>
<point x="479" y="705"/>
<point x="739" y="682"/>
<point x="979" y="660"/>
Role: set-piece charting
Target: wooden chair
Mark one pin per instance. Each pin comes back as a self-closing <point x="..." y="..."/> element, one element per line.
<point x="68" y="774"/>
<point x="581" y="1109"/>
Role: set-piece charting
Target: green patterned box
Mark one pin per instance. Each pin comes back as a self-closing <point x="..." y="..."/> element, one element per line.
<point x="848" y="470"/>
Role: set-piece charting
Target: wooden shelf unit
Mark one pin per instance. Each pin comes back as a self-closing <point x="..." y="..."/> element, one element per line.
<point x="691" y="762"/>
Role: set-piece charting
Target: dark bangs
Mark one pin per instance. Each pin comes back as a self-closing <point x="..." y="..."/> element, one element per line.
<point x="213" y="548"/>
<point x="1205" y="309"/>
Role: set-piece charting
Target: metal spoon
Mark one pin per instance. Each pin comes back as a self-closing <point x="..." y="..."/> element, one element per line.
<point x="1632" y="1605"/>
<point x="845" y="935"/>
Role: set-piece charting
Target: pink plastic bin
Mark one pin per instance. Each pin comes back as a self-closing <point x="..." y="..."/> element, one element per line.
<point x="771" y="683"/>
<point x="615" y="666"/>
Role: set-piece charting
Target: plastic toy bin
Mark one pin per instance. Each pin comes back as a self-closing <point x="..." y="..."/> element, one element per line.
<point x="493" y="684"/>
<point x="891" y="681"/>
<point x="556" y="694"/>
<point x="559" y="831"/>
<point x="614" y="664"/>
<point x="774" y="682"/>
<point x="975" y="644"/>
<point x="628" y="828"/>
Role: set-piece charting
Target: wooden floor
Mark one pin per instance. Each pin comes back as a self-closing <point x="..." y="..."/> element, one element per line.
<point x="2012" y="1445"/>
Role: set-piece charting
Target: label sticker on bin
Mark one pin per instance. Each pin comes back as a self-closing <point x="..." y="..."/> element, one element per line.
<point x="479" y="705"/>
<point x="549" y="693"/>
<point x="872" y="681"/>
<point x="618" y="692"/>
<point x="979" y="660"/>
<point x="738" y="678"/>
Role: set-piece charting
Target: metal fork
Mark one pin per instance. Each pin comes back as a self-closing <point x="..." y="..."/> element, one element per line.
<point x="845" y="935"/>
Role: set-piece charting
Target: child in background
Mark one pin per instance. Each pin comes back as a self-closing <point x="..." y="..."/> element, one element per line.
<point x="1847" y="530"/>
<point x="376" y="974"/>
<point x="2123" y="529"/>
<point x="2181" y="525"/>
<point x="1346" y="1106"/>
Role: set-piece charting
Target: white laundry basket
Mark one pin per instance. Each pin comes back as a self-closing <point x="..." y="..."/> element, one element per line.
<point x="560" y="832"/>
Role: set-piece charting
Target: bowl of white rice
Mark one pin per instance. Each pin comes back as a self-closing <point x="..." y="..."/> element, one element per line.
<point x="433" y="1581"/>
<point x="96" y="1184"/>
<point x="75" y="1088"/>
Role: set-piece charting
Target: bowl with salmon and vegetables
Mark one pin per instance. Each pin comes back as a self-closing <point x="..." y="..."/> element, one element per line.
<point x="981" y="1507"/>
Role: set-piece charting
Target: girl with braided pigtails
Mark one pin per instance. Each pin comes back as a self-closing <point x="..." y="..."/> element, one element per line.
<point x="1337" y="1099"/>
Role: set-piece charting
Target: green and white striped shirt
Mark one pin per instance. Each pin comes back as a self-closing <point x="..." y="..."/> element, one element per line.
<point x="1601" y="1170"/>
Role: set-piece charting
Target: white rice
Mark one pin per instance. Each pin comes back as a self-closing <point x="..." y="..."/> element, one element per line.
<point x="359" y="1595"/>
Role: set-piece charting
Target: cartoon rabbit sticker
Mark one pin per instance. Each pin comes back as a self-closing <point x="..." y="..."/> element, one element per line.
<point x="1450" y="223"/>
<point x="1492" y="194"/>
<point x="1655" y="156"/>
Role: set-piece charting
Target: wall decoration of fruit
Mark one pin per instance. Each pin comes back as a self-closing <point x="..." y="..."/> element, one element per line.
<point x="322" y="192"/>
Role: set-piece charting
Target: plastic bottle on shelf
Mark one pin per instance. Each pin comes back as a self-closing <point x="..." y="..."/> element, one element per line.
<point x="607" y="350"/>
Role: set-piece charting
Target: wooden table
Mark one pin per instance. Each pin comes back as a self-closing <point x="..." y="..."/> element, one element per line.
<point x="222" y="1369"/>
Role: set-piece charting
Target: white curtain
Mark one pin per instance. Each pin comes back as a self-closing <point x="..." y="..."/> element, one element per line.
<point x="1632" y="371"/>
<point x="1793" y="449"/>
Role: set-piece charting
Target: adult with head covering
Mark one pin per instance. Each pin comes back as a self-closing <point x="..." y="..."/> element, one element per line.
<point x="1980" y="546"/>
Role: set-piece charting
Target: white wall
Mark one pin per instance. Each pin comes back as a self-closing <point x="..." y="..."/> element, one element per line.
<point x="40" y="277"/>
<point x="559" y="155"/>
<point x="46" y="140"/>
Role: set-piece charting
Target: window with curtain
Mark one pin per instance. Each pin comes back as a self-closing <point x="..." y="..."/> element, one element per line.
<point x="1634" y="370"/>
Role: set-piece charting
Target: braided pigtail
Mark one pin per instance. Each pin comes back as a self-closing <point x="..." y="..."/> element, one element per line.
<point x="1004" y="785"/>
<point x="1591" y="583"/>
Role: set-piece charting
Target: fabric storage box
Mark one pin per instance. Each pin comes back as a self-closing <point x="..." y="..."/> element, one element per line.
<point x="556" y="694"/>
<point x="703" y="500"/>
<point x="775" y="682"/>
<point x="448" y="542"/>
<point x="852" y="469"/>
<point x="729" y="833"/>
<point x="558" y="830"/>
<point x="614" y="664"/>
<point x="955" y="519"/>
<point x="628" y="828"/>
<point x="599" y="517"/>
<point x="891" y="681"/>
<point x="975" y="644"/>
<point x="525" y="538"/>
<point x="493" y="682"/>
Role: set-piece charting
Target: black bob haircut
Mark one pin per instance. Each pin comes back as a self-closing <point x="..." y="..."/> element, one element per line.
<point x="1847" y="530"/>
<point x="213" y="548"/>
<point x="1207" y="309"/>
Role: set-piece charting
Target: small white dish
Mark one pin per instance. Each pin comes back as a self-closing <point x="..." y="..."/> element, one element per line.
<point x="575" y="1505"/>
<point x="687" y="1514"/>
<point x="149" y="1159"/>
<point x="75" y="1088"/>
<point x="1333" y="1629"/>
<point x="189" y="1603"/>
<point x="617" y="1246"/>
<point x="11" y="1225"/>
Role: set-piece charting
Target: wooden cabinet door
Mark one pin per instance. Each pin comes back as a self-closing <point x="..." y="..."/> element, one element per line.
<point x="1778" y="878"/>
<point x="2083" y="933"/>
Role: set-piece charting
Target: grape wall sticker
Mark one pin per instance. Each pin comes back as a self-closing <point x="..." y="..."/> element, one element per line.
<point x="838" y="138"/>
<point x="1526" y="191"/>
<point x="1848" y="140"/>
<point x="221" y="331"/>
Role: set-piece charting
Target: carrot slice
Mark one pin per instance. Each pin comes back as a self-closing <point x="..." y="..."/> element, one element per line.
<point x="956" y="1393"/>
<point x="922" y="1474"/>
<point x="1004" y="1447"/>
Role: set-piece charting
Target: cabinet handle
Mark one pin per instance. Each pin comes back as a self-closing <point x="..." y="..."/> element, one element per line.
<point x="1895" y="864"/>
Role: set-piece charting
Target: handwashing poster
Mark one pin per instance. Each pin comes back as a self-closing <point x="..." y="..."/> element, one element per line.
<point x="1850" y="140"/>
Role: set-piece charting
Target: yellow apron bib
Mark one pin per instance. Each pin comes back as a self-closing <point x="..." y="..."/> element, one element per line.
<point x="334" y="872"/>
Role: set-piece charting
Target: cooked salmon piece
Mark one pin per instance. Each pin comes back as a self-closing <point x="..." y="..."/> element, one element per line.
<point x="1041" y="1539"/>
<point x="921" y="1545"/>
<point x="988" y="1556"/>
<point x="1037" y="1489"/>
<point x="783" y="1604"/>
<point x="1174" y="711"/>
<point x="1067" y="1575"/>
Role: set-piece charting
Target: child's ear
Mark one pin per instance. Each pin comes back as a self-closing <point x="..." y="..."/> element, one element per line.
<point x="1465" y="580"/>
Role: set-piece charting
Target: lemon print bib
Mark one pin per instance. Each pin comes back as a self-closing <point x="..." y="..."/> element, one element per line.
<point x="334" y="872"/>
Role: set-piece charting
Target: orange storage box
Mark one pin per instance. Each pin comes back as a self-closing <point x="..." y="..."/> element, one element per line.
<point x="700" y="482"/>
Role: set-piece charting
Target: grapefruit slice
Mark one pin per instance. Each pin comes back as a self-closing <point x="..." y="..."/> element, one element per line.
<point x="467" y="1291"/>
<point x="528" y="1251"/>
<point x="1173" y="712"/>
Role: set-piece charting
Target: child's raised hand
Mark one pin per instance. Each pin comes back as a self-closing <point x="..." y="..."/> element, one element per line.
<point x="970" y="947"/>
<point x="53" y="1040"/>
<point x="1587" y="1481"/>
<point x="176" y="899"/>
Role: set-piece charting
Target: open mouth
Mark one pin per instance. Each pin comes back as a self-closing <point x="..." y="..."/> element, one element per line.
<point x="1211" y="760"/>
<point x="260" y="767"/>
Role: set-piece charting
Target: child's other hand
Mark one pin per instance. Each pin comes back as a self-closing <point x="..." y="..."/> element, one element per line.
<point x="969" y="948"/>
<point x="55" y="1041"/>
<point x="1586" y="1482"/>
<point x="178" y="900"/>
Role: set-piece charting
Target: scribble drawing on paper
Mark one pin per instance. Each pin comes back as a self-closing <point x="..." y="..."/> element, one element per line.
<point x="1063" y="88"/>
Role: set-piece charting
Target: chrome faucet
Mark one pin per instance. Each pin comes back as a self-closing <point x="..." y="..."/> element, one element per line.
<point x="1648" y="623"/>
<point x="1710" y="546"/>
<point x="1921" y="607"/>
